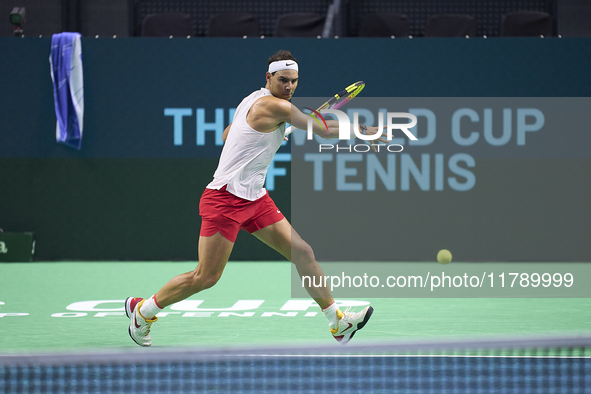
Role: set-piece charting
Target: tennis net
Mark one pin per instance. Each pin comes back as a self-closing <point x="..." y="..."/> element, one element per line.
<point x="540" y="365"/>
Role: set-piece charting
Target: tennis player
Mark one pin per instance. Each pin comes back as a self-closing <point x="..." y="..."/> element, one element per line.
<point x="236" y="199"/>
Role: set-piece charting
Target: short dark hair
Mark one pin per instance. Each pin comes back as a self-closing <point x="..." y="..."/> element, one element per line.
<point x="281" y="55"/>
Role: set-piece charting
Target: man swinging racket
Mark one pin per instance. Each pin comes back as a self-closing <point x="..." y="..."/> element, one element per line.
<point x="236" y="199"/>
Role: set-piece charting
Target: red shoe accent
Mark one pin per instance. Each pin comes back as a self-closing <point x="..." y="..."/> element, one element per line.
<point x="134" y="302"/>
<point x="130" y="305"/>
<point x="339" y="338"/>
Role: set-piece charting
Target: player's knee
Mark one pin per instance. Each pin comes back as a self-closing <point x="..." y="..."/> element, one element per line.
<point x="302" y="253"/>
<point x="204" y="281"/>
<point x="210" y="280"/>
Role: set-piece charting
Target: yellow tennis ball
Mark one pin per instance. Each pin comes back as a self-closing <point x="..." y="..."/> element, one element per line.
<point x="444" y="256"/>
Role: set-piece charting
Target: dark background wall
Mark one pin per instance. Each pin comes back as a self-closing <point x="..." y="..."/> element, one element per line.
<point x="572" y="17"/>
<point x="488" y="13"/>
<point x="131" y="193"/>
<point x="123" y="18"/>
<point x="88" y="17"/>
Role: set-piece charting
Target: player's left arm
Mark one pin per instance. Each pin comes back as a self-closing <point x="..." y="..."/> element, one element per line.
<point x="226" y="131"/>
<point x="297" y="118"/>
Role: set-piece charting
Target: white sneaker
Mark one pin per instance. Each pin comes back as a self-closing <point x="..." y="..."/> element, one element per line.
<point x="139" y="328"/>
<point x="349" y="324"/>
<point x="130" y="304"/>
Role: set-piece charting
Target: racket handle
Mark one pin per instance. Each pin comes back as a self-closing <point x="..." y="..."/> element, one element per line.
<point x="289" y="130"/>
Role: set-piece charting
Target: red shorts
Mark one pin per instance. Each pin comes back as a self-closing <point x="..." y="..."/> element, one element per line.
<point x="222" y="211"/>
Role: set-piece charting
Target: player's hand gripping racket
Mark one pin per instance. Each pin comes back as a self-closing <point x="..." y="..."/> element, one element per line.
<point x="338" y="100"/>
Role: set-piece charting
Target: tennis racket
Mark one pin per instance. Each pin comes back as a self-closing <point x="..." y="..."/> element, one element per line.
<point x="338" y="100"/>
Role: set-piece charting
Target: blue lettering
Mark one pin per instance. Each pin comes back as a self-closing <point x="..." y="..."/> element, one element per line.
<point x="217" y="126"/>
<point x="455" y="126"/>
<point x="177" y="114"/>
<point x="318" y="159"/>
<point x="456" y="169"/>
<point x="408" y="166"/>
<point x="431" y="127"/>
<point x="488" y="127"/>
<point x="273" y="171"/>
<point x="343" y="172"/>
<point x="388" y="177"/>
<point x="523" y="127"/>
<point x="439" y="172"/>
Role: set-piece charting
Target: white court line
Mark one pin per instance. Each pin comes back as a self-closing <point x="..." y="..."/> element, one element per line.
<point x="397" y="356"/>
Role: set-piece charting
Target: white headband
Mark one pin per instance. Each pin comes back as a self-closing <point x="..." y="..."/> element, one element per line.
<point x="283" y="65"/>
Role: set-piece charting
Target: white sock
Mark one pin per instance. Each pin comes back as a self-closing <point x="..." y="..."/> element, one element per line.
<point x="150" y="308"/>
<point x="330" y="312"/>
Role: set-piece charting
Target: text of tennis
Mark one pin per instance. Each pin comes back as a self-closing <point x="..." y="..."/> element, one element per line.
<point x="511" y="279"/>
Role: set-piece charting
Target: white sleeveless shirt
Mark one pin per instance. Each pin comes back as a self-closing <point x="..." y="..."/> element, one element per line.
<point x="247" y="154"/>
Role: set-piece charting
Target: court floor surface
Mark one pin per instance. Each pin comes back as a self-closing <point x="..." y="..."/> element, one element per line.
<point x="78" y="306"/>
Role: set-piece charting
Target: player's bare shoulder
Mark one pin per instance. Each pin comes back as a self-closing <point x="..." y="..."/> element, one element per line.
<point x="272" y="104"/>
<point x="268" y="112"/>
